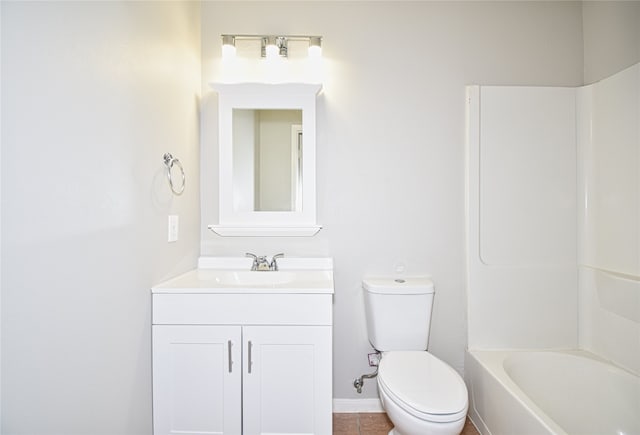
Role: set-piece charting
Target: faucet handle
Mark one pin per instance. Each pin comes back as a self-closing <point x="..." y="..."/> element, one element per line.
<point x="254" y="266"/>
<point x="274" y="263"/>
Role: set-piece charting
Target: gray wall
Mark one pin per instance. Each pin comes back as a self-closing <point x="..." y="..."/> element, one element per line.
<point x="391" y="129"/>
<point x="93" y="95"/>
<point x="611" y="37"/>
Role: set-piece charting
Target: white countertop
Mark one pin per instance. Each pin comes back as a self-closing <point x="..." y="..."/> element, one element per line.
<point x="295" y="276"/>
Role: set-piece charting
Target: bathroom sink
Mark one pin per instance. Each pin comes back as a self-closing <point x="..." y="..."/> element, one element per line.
<point x="212" y="280"/>
<point x="244" y="278"/>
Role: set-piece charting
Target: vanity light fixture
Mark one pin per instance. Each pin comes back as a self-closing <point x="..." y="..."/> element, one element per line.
<point x="272" y="45"/>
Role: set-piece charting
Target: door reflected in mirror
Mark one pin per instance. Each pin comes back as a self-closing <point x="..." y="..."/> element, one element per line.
<point x="267" y="160"/>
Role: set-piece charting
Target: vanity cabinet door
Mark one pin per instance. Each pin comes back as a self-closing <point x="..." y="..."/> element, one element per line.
<point x="287" y="380"/>
<point x="197" y="379"/>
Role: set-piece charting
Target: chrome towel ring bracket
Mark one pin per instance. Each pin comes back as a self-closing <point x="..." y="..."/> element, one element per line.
<point x="169" y="161"/>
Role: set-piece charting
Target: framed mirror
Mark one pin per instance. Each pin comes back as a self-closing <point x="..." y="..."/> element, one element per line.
<point x="267" y="142"/>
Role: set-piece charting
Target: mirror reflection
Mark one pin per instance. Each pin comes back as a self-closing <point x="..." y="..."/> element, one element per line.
<point x="267" y="160"/>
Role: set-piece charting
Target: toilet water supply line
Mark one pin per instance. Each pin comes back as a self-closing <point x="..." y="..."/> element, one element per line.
<point x="358" y="383"/>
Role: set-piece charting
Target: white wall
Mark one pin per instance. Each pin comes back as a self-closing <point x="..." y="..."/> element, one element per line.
<point x="608" y="228"/>
<point x="609" y="218"/>
<point x="606" y="317"/>
<point x="93" y="95"/>
<point x="522" y="288"/>
<point x="390" y="137"/>
<point x="611" y="37"/>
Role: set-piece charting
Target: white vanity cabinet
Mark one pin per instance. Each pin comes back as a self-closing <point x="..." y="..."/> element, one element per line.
<point x="236" y="362"/>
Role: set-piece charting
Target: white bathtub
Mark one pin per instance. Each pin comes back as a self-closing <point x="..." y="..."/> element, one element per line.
<point x="550" y="392"/>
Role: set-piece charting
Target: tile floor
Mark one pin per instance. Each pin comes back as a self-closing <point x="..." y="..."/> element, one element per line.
<point x="374" y="424"/>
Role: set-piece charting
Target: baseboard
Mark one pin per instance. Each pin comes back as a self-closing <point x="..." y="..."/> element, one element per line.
<point x="357" y="405"/>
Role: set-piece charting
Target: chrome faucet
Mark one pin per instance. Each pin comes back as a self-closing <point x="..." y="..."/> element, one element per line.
<point x="261" y="263"/>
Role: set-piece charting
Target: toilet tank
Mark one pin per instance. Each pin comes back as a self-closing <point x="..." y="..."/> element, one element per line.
<point x="398" y="312"/>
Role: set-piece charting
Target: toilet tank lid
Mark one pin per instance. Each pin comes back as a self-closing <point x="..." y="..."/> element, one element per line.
<point x="398" y="286"/>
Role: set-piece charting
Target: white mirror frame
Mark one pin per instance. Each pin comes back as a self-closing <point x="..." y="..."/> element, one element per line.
<point x="297" y="96"/>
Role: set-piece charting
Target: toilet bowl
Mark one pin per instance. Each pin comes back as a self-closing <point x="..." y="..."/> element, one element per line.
<point x="421" y="394"/>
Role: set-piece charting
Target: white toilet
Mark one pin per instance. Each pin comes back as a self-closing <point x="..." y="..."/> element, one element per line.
<point x="421" y="394"/>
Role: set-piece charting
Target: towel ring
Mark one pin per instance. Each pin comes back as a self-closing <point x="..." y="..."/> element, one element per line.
<point x="169" y="161"/>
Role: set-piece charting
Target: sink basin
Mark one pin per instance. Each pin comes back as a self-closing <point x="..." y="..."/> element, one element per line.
<point x="212" y="280"/>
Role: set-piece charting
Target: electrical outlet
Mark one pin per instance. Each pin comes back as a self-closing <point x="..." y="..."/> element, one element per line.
<point x="173" y="226"/>
<point x="374" y="359"/>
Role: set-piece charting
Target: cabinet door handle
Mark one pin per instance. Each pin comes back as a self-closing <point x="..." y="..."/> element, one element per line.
<point x="250" y="361"/>
<point x="229" y="346"/>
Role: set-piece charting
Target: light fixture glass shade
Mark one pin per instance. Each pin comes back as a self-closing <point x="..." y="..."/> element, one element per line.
<point x="228" y="46"/>
<point x="228" y="51"/>
<point x="271" y="52"/>
<point x="315" y="46"/>
<point x="269" y="47"/>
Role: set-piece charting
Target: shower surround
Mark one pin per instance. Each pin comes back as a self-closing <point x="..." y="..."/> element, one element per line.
<point x="553" y="226"/>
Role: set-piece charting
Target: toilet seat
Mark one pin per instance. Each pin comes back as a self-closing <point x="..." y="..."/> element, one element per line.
<point x="423" y="386"/>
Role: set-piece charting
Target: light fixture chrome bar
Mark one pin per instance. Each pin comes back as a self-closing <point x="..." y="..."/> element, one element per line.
<point x="257" y="37"/>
